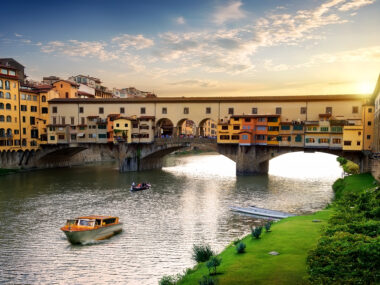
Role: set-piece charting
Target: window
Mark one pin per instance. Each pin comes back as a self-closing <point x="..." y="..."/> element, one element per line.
<point x="82" y="120"/>
<point x="208" y="110"/>
<point x="348" y="143"/>
<point x="34" y="134"/>
<point x="224" y="127"/>
<point x="63" y="119"/>
<point x="324" y="129"/>
<point x="33" y="108"/>
<point x="67" y="94"/>
<point x="336" y="129"/>
<point x="164" y="110"/>
<point x="7" y="85"/>
<point x="102" y="127"/>
<point x="272" y="119"/>
<point x="17" y="132"/>
<point x="244" y="137"/>
<point x="23" y="119"/>
<point x="43" y="99"/>
<point x="34" y="98"/>
<point x="230" y="111"/>
<point x="260" y="137"/>
<point x="369" y="110"/>
<point x="328" y="110"/>
<point x="142" y="110"/>
<point x="44" y="110"/>
<point x="101" y="110"/>
<point x="72" y="120"/>
<point x="73" y="137"/>
<point x="368" y="137"/>
<point x="237" y="127"/>
<point x="261" y="128"/>
<point x="80" y="109"/>
<point x="1" y="118"/>
<point x="369" y="123"/>
<point x="254" y="111"/>
<point x="1" y="106"/>
<point x="1" y="84"/>
<point x="310" y="140"/>
<point x="303" y="110"/>
<point x="54" y="120"/>
<point x="52" y="138"/>
<point x="54" y="110"/>
<point x="117" y="125"/>
<point x="235" y="137"/>
<point x="24" y="131"/>
<point x="122" y="110"/>
<point x="224" y="137"/>
<point x="126" y="125"/>
<point x="102" y="136"/>
<point x="15" y="107"/>
<point x="8" y="107"/>
<point x="247" y="120"/>
<point x="355" y="109"/>
<point x="32" y="120"/>
<point x="285" y="128"/>
<point x="323" y="140"/>
<point x="1" y="94"/>
<point x="61" y="137"/>
<point x="7" y="95"/>
<point x="358" y="143"/>
<point x="186" y="110"/>
<point x="272" y="129"/>
<point x="278" y="110"/>
<point x="298" y="138"/>
<point x="24" y="108"/>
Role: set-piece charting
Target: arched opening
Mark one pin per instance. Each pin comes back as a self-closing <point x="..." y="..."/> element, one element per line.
<point x="187" y="128"/>
<point x="164" y="128"/>
<point x="8" y="107"/>
<point x="207" y="128"/>
<point x="43" y="98"/>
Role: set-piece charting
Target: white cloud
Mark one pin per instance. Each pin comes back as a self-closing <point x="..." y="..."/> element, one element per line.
<point x="230" y="12"/>
<point x="195" y="83"/>
<point x="355" y="4"/>
<point x="18" y="35"/>
<point x="180" y="20"/>
<point x="138" y="42"/>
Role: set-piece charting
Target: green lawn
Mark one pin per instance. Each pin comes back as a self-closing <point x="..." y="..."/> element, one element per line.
<point x="293" y="238"/>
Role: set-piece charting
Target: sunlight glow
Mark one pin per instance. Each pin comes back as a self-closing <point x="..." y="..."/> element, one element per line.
<point x="365" y="87"/>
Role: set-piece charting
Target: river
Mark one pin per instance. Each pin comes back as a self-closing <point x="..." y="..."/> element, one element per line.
<point x="188" y="204"/>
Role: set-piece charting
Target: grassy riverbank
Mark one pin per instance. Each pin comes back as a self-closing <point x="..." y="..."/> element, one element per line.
<point x="293" y="238"/>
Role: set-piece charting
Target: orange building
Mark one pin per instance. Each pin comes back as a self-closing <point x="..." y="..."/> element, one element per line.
<point x="66" y="89"/>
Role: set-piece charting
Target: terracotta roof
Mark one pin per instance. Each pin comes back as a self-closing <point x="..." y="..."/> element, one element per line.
<point x="215" y="99"/>
<point x="328" y="115"/>
<point x="85" y="94"/>
<point x="113" y="115"/>
<point x="92" y="117"/>
<point x="147" y="117"/>
<point x="67" y="81"/>
<point x="15" y="77"/>
<point x="253" y="116"/>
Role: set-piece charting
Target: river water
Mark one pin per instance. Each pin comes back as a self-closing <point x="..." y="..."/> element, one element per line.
<point x="188" y="204"/>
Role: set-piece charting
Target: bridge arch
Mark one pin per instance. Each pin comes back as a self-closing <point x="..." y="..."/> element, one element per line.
<point x="186" y="127"/>
<point x="207" y="127"/>
<point x="164" y="128"/>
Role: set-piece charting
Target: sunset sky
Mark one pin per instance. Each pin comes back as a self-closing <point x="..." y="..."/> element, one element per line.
<point x="199" y="47"/>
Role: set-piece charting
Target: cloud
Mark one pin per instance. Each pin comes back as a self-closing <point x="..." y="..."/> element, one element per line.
<point x="180" y="20"/>
<point x="18" y="35"/>
<point x="138" y="42"/>
<point x="355" y="4"/>
<point x="195" y="82"/>
<point x="231" y="12"/>
<point x="75" y="48"/>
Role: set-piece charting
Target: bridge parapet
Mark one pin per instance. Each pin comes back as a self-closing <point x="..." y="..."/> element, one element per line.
<point x="179" y="140"/>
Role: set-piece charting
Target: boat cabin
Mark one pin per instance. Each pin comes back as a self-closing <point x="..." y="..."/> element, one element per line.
<point x="91" y="222"/>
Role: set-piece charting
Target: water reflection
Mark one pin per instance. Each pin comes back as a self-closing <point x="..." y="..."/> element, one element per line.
<point x="188" y="204"/>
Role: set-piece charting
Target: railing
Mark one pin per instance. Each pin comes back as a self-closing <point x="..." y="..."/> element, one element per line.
<point x="185" y="140"/>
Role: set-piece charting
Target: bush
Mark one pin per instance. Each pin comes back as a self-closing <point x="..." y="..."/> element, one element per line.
<point x="268" y="225"/>
<point x="351" y="168"/>
<point x="212" y="264"/>
<point x="202" y="253"/>
<point x="236" y="241"/>
<point x="206" y="280"/>
<point x="240" y="247"/>
<point x="256" y="232"/>
<point x="341" y="160"/>
<point x="169" y="280"/>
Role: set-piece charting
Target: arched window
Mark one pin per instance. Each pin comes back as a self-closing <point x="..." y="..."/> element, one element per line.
<point x="1" y="118"/>
<point x="9" y="132"/>
<point x="43" y="98"/>
<point x="9" y="119"/>
<point x="1" y="84"/>
<point x="1" y="106"/>
<point x="7" y="95"/>
<point x="8" y="107"/>
<point x="2" y="132"/>
<point x="23" y="142"/>
<point x="1" y="94"/>
<point x="7" y="85"/>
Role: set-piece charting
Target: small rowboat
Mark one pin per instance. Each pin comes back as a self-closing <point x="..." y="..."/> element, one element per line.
<point x="91" y="228"/>
<point x="143" y="186"/>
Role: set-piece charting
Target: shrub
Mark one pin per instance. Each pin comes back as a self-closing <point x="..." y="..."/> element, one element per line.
<point x="212" y="264"/>
<point x="206" y="280"/>
<point x="240" y="247"/>
<point x="268" y="225"/>
<point x="169" y="279"/>
<point x="341" y="160"/>
<point x="202" y="253"/>
<point x="256" y="232"/>
<point x="351" y="168"/>
<point x="236" y="241"/>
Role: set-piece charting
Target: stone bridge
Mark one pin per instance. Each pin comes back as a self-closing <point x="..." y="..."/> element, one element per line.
<point x="136" y="157"/>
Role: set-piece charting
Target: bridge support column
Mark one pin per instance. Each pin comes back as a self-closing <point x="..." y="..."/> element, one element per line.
<point x="250" y="161"/>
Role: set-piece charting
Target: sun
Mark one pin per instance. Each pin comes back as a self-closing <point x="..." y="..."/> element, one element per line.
<point x="365" y="87"/>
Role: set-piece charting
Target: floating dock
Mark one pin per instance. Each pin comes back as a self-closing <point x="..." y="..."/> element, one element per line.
<point x="261" y="212"/>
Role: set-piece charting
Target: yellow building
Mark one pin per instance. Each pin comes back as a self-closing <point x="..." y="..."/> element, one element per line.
<point x="9" y="110"/>
<point x="273" y="129"/>
<point x="122" y="129"/>
<point x="368" y="126"/>
<point x="66" y="89"/>
<point x="353" y="138"/>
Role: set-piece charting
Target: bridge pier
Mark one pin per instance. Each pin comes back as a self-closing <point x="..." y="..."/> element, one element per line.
<point x="251" y="161"/>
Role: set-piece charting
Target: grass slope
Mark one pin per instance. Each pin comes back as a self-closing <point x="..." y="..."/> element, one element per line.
<point x="293" y="238"/>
